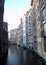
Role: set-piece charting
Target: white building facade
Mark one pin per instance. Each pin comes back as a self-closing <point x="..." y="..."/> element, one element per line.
<point x="24" y="32"/>
<point x="29" y="29"/>
<point x="20" y="34"/>
<point x="13" y="36"/>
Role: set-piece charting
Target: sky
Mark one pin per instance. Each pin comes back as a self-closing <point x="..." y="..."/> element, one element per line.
<point x="14" y="10"/>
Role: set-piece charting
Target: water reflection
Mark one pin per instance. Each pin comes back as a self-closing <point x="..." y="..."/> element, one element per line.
<point x="19" y="56"/>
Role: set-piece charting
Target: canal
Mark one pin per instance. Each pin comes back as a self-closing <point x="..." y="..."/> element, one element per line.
<point x="19" y="56"/>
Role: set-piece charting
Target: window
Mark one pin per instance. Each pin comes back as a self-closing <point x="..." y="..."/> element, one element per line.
<point x="45" y="29"/>
<point x="44" y="14"/>
<point x="29" y="18"/>
<point x="45" y="44"/>
<point x="42" y="2"/>
<point x="34" y="24"/>
<point x="34" y="37"/>
<point x="44" y="32"/>
<point x="29" y="30"/>
<point x="29" y="24"/>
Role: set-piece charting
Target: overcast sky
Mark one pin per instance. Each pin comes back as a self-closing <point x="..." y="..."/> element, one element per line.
<point x="14" y="10"/>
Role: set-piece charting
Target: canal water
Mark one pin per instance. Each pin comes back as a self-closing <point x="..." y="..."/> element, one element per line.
<point x="19" y="56"/>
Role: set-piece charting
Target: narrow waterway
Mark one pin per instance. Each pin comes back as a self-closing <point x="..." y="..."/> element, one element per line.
<point x="19" y="56"/>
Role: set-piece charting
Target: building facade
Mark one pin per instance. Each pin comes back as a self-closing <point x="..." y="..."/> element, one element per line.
<point x="2" y="31"/>
<point x="5" y="37"/>
<point x="24" y="32"/>
<point x="44" y="29"/>
<point x="40" y="27"/>
<point x="20" y="34"/>
<point x="26" y="25"/>
<point x="36" y="4"/>
<point x="13" y="36"/>
<point x="29" y="21"/>
<point x="30" y="30"/>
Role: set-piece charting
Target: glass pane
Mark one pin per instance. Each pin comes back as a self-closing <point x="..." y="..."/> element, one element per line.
<point x="45" y="44"/>
<point x="45" y="29"/>
<point x="42" y="2"/>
